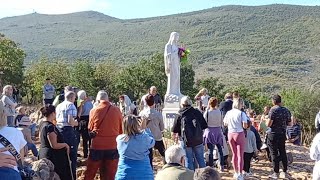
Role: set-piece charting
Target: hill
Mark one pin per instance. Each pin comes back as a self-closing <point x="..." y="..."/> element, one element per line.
<point x="271" y="45"/>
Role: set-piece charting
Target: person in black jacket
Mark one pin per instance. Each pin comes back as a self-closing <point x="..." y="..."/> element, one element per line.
<point x="189" y="125"/>
<point x="224" y="107"/>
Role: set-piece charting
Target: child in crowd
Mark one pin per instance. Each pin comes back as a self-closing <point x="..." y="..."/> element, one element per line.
<point x="22" y="114"/>
<point x="202" y="99"/>
<point x="294" y="132"/>
<point x="250" y="150"/>
<point x="24" y="126"/>
<point x="264" y="129"/>
<point x="251" y="115"/>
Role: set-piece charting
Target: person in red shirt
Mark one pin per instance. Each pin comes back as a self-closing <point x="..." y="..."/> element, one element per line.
<point x="105" y="123"/>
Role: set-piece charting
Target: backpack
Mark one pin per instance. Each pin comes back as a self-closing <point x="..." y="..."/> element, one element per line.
<point x="191" y="131"/>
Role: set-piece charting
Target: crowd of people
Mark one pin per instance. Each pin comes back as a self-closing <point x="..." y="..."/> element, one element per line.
<point x="118" y="140"/>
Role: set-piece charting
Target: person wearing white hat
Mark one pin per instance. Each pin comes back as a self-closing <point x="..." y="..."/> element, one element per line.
<point x="24" y="125"/>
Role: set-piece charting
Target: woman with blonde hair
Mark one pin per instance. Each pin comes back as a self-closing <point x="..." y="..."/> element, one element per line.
<point x="237" y="120"/>
<point x="9" y="169"/>
<point x="202" y="98"/>
<point x="133" y="147"/>
<point x="9" y="104"/>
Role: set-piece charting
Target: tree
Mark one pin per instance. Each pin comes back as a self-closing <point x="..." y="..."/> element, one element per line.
<point x="105" y="75"/>
<point x="187" y="75"/>
<point x="11" y="62"/>
<point x="138" y="78"/>
<point x="135" y="80"/>
<point x="82" y="76"/>
<point x="304" y="105"/>
<point x="37" y="72"/>
<point x="213" y="86"/>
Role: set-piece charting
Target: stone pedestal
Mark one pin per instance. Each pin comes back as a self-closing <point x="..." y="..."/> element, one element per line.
<point x="170" y="110"/>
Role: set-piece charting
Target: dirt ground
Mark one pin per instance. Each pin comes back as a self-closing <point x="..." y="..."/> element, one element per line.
<point x="300" y="169"/>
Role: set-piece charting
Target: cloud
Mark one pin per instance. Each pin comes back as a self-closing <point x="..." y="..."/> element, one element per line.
<point x="18" y="7"/>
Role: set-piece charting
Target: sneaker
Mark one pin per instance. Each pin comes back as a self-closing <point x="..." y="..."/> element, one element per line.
<point x="274" y="176"/>
<point x="240" y="177"/>
<point x="249" y="174"/>
<point x="235" y="175"/>
<point x="284" y="175"/>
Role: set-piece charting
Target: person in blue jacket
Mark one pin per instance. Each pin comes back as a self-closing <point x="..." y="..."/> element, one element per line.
<point x="133" y="147"/>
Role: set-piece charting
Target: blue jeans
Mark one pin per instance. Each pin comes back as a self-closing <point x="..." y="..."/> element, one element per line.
<point x="10" y="121"/>
<point x="70" y="138"/>
<point x="33" y="148"/>
<point x="195" y="154"/>
<point x="9" y="174"/>
<point x="33" y="127"/>
<point x="221" y="158"/>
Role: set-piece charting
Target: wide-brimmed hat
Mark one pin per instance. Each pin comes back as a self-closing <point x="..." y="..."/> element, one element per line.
<point x="25" y="121"/>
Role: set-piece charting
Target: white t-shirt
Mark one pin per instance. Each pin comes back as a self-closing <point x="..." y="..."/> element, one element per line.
<point x="15" y="137"/>
<point x="234" y="118"/>
<point x="205" y="100"/>
<point x="213" y="118"/>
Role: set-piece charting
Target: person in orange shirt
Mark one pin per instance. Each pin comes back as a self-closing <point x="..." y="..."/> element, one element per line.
<point x="105" y="124"/>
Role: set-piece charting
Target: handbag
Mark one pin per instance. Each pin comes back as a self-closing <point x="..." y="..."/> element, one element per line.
<point x="93" y="133"/>
<point x="25" y="173"/>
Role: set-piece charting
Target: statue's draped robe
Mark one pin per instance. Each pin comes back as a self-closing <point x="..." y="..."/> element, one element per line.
<point x="172" y="61"/>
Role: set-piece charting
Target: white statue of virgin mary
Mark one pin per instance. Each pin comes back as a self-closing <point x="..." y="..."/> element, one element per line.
<point x="172" y="68"/>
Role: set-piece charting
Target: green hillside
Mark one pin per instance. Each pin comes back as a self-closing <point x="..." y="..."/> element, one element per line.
<point x="272" y="45"/>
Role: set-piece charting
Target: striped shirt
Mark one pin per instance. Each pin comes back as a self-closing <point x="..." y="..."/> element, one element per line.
<point x="62" y="111"/>
<point x="293" y="132"/>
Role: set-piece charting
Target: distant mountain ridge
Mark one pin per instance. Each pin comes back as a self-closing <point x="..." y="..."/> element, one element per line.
<point x="277" y="43"/>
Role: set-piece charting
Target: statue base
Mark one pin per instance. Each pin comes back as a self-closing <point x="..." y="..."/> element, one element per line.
<point x="170" y="110"/>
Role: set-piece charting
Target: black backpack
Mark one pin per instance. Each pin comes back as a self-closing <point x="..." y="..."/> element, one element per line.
<point x="191" y="130"/>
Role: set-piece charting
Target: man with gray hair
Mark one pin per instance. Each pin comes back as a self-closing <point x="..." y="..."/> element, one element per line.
<point x="105" y="124"/>
<point x="189" y="125"/>
<point x="174" y="169"/>
<point x="157" y="98"/>
<point x="66" y="112"/>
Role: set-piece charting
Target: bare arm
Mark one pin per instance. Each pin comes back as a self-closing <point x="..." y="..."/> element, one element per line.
<point x="72" y="121"/>
<point x="7" y="160"/>
<point x="269" y="122"/>
<point x="52" y="137"/>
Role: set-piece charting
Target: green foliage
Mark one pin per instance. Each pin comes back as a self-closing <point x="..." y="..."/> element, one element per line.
<point x="35" y="75"/>
<point x="214" y="87"/>
<point x="11" y="62"/>
<point x="254" y="98"/>
<point x="187" y="78"/>
<point x="105" y="77"/>
<point x="82" y="76"/>
<point x="304" y="105"/>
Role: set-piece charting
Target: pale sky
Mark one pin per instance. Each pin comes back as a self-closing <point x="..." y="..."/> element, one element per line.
<point x="127" y="9"/>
